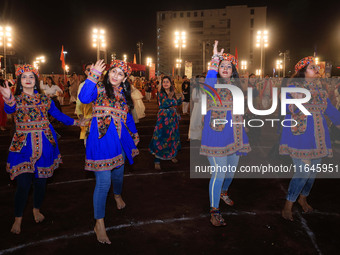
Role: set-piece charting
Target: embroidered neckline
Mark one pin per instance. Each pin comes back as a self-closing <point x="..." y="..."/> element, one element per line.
<point x="30" y="98"/>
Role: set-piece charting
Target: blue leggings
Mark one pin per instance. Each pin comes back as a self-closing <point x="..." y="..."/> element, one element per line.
<point x="103" y="184"/>
<point x="24" y="182"/>
<point x="221" y="180"/>
<point x="303" y="180"/>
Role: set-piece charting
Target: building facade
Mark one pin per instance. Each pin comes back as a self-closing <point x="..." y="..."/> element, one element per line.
<point x="235" y="28"/>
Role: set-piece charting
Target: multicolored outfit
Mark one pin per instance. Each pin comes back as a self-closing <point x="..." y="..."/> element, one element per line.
<point x="309" y="140"/>
<point x="34" y="149"/>
<point x="165" y="142"/>
<point x="112" y="136"/>
<point x="222" y="143"/>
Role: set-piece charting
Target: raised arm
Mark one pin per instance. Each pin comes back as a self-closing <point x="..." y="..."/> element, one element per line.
<point x="211" y="77"/>
<point x="6" y="93"/>
<point x="88" y="92"/>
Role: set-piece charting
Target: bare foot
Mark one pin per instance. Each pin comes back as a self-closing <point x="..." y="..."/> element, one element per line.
<point x="16" y="227"/>
<point x="305" y="206"/>
<point x="38" y="216"/>
<point x="100" y="231"/>
<point x="120" y="202"/>
<point x="217" y="220"/>
<point x="157" y="166"/>
<point x="174" y="160"/>
<point x="287" y="211"/>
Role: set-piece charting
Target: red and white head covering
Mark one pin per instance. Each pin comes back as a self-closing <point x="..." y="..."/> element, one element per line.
<point x="304" y="62"/>
<point x="122" y="65"/>
<point x="26" y="68"/>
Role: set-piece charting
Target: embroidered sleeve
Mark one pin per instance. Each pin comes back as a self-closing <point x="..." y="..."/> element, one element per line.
<point x="214" y="64"/>
<point x="76" y="123"/>
<point x="10" y="104"/>
<point x="135" y="138"/>
<point x="94" y="75"/>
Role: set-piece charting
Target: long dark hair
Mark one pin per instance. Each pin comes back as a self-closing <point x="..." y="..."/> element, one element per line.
<point x="52" y="81"/>
<point x="126" y="89"/>
<point x="249" y="77"/>
<point x="300" y="73"/>
<point x="171" y="84"/>
<point x="19" y="88"/>
<point x="298" y="78"/>
<point x="86" y="65"/>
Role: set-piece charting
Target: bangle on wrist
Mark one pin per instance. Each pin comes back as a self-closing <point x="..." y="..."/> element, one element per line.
<point x="214" y="65"/>
<point x="216" y="56"/>
<point x="10" y="101"/>
<point x="94" y="75"/>
<point x="93" y="70"/>
<point x="76" y="123"/>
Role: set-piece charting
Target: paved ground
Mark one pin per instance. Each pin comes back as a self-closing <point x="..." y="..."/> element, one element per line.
<point x="167" y="211"/>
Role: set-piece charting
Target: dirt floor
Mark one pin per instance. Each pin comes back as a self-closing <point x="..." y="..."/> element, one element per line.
<point x="168" y="211"/>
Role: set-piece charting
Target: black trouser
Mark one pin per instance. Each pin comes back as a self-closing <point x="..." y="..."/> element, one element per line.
<point x="24" y="182"/>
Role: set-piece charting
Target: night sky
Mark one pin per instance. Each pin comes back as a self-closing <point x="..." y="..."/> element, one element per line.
<point x="41" y="27"/>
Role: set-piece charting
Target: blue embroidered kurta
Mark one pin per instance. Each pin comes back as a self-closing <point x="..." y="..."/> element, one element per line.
<point x="310" y="138"/>
<point x="112" y="128"/>
<point x="165" y="142"/>
<point x="34" y="147"/>
<point x="223" y="139"/>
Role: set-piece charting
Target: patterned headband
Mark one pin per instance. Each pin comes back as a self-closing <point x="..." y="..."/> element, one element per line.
<point x="229" y="57"/>
<point x="26" y="68"/>
<point x="304" y="62"/>
<point x="122" y="65"/>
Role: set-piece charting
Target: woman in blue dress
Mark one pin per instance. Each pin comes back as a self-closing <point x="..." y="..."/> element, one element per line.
<point x="165" y="142"/>
<point x="308" y="141"/>
<point x="222" y="143"/>
<point x="112" y="135"/>
<point x="33" y="153"/>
